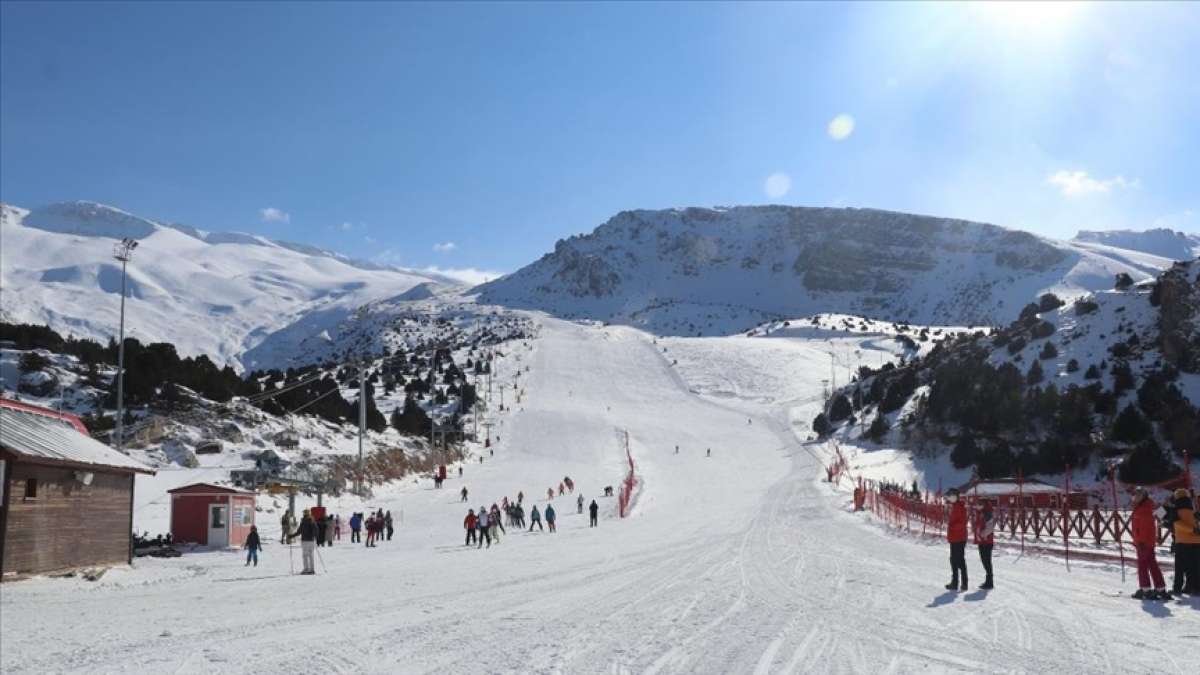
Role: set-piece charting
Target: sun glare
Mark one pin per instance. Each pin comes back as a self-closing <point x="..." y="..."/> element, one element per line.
<point x="1027" y="13"/>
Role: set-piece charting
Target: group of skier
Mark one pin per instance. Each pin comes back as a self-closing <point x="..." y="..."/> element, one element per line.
<point x="1177" y="515"/>
<point x="485" y="526"/>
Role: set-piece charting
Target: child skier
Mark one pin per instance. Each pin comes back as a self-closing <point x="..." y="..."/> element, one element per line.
<point x="985" y="540"/>
<point x="535" y="518"/>
<point x="252" y="546"/>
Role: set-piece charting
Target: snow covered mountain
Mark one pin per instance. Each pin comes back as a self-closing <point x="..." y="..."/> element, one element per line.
<point x="722" y="270"/>
<point x="218" y="294"/>
<point x="1160" y="242"/>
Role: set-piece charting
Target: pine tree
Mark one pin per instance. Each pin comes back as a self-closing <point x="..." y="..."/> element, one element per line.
<point x="1035" y="374"/>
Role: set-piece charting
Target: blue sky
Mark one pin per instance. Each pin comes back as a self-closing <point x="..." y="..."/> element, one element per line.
<point x="472" y="136"/>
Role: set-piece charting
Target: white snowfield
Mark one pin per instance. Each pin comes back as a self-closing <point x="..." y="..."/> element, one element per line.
<point x="742" y="562"/>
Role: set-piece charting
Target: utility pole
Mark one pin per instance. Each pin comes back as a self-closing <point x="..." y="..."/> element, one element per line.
<point x="362" y="418"/>
<point x="122" y="251"/>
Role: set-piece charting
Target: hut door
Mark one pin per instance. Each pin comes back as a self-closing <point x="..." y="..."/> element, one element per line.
<point x="218" y="525"/>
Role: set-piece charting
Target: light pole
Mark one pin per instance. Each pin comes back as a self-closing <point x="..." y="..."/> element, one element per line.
<point x="123" y="251"/>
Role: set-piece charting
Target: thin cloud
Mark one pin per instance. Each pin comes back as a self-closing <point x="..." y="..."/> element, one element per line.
<point x="445" y="247"/>
<point x="1079" y="183"/>
<point x="274" y="215"/>
<point x="346" y="226"/>
<point x="777" y="185"/>
<point x="467" y="275"/>
<point x="840" y="127"/>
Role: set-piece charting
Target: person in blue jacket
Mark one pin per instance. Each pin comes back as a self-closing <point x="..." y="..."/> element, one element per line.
<point x="355" y="528"/>
<point x="550" y="516"/>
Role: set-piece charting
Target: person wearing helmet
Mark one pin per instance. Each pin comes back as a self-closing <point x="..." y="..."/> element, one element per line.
<point x="1182" y="518"/>
<point x="1144" y="530"/>
<point x="956" y="535"/>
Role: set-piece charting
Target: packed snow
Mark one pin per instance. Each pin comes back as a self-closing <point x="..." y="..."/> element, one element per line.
<point x="739" y="562"/>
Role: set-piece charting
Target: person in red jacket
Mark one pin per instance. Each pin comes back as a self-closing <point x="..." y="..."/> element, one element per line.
<point x="985" y="539"/>
<point x="956" y="534"/>
<point x="469" y="523"/>
<point x="1144" y="528"/>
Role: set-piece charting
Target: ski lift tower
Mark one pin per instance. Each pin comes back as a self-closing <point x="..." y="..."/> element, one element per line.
<point x="123" y="251"/>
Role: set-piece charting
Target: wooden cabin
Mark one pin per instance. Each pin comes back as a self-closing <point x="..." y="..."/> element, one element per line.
<point x="66" y="499"/>
<point x="211" y="515"/>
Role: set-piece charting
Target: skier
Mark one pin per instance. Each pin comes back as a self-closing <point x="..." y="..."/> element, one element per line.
<point x="356" y="528"/>
<point x="286" y="524"/>
<point x="483" y="529"/>
<point x="520" y="497"/>
<point x="337" y="528"/>
<point x="464" y="493"/>
<point x="594" y="510"/>
<point x="985" y="539"/>
<point x="579" y="503"/>
<point x="330" y="529"/>
<point x="1187" y="544"/>
<point x="497" y="526"/>
<point x="460" y="471"/>
<point x="252" y="546"/>
<point x="308" y="541"/>
<point x="469" y="525"/>
<point x="677" y="449"/>
<point x="520" y="516"/>
<point x="387" y="519"/>
<point x="562" y="489"/>
<point x="956" y="534"/>
<point x="535" y="518"/>
<point x="1145" y="537"/>
<point x="550" y="517"/>
<point x="322" y="528"/>
<point x="708" y="452"/>
<point x="372" y="528"/>
<point x="549" y="494"/>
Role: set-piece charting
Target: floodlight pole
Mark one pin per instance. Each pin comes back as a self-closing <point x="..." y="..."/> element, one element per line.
<point x="122" y="251"/>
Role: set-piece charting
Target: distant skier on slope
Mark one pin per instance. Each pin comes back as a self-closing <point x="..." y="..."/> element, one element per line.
<point x="594" y="510"/>
<point x="387" y="521"/>
<point x="579" y="503"/>
<point x="483" y="529"/>
<point x="956" y="534"/>
<point x="535" y="518"/>
<point x="464" y="493"/>
<point x="985" y="540"/>
<point x="551" y="517"/>
<point x="550" y="494"/>
<point x="562" y="489"/>
<point x="1144" y="530"/>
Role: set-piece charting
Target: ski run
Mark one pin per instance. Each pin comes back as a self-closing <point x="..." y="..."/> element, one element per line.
<point x="736" y="557"/>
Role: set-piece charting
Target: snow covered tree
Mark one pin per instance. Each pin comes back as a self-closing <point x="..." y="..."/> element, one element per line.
<point x="821" y="425"/>
<point x="412" y="420"/>
<point x="1049" y="351"/>
<point x="1035" y="374"/>
<point x="32" y="362"/>
<point x="841" y="408"/>
<point x="878" y="429"/>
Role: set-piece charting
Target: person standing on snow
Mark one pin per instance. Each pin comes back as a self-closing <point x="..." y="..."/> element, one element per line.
<point x="579" y="503"/>
<point x="322" y="528"/>
<point x="387" y="521"/>
<point x="308" y="542"/>
<point x="985" y="539"/>
<point x="1182" y="518"/>
<point x="355" y="528"/>
<point x="469" y="524"/>
<point x="483" y="528"/>
<point x="956" y="534"/>
<point x="550" y="517"/>
<point x="520" y="497"/>
<point x="550" y="494"/>
<point x="535" y="518"/>
<point x="464" y="492"/>
<point x="1144" y="530"/>
<point x="497" y="524"/>
<point x="253" y="545"/>
<point x="594" y="510"/>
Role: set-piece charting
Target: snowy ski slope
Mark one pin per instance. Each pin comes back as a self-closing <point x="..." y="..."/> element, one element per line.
<point x="739" y="563"/>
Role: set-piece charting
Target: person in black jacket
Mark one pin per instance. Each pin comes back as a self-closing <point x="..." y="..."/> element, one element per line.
<point x="308" y="541"/>
<point x="594" y="510"/>
<point x="253" y="545"/>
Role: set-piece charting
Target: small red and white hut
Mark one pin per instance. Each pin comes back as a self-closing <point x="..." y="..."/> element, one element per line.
<point x="211" y="515"/>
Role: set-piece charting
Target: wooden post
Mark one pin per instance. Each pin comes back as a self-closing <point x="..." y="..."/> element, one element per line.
<point x="1066" y="515"/>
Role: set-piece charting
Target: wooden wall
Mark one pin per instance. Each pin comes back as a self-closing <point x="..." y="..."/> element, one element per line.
<point x="68" y="524"/>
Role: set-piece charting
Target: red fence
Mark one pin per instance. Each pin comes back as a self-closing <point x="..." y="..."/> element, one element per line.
<point x="625" y="495"/>
<point x="1095" y="524"/>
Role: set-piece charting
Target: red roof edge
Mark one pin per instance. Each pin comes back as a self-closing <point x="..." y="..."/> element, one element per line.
<point x="208" y="487"/>
<point x="73" y="420"/>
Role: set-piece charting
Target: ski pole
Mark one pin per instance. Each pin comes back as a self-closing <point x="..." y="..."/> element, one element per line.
<point x="319" y="557"/>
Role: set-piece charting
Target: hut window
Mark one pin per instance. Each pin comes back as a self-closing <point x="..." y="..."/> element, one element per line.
<point x="31" y="486"/>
